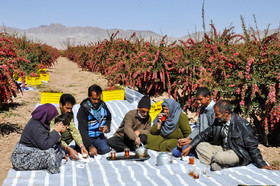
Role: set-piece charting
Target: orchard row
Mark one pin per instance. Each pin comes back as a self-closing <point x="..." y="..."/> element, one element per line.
<point x="244" y="69"/>
<point x="20" y="57"/>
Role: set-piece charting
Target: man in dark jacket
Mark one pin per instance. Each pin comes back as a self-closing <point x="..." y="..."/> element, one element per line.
<point x="228" y="142"/>
<point x="93" y="114"/>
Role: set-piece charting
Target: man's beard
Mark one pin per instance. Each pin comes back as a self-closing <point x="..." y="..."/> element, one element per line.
<point x="96" y="105"/>
<point x="222" y="120"/>
<point x="141" y="116"/>
<point x="66" y="113"/>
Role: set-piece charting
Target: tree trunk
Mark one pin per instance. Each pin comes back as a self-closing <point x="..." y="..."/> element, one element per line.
<point x="260" y="130"/>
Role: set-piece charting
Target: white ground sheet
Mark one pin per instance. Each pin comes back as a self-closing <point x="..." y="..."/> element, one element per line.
<point x="100" y="171"/>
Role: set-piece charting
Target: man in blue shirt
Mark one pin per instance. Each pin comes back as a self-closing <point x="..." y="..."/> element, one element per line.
<point x="92" y="114"/>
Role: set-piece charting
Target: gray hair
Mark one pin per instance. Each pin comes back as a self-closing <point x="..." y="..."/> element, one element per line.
<point x="224" y="106"/>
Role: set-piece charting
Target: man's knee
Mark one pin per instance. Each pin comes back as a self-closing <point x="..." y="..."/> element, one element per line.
<point x="103" y="149"/>
<point x="176" y="152"/>
<point x="201" y="147"/>
<point x="226" y="158"/>
<point x="110" y="141"/>
<point x="219" y="158"/>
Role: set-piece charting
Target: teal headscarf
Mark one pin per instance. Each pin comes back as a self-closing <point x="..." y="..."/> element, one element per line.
<point x="171" y="121"/>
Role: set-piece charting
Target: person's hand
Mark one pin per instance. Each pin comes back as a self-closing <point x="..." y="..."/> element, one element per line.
<point x="58" y="127"/>
<point x="93" y="151"/>
<point x="66" y="158"/>
<point x="160" y="116"/>
<point x="159" y="123"/>
<point x="137" y="133"/>
<point x="268" y="167"/>
<point x="137" y="141"/>
<point x="105" y="128"/>
<point x="186" y="151"/>
<point x="184" y="141"/>
<point x="84" y="151"/>
<point x="180" y="142"/>
<point x="72" y="153"/>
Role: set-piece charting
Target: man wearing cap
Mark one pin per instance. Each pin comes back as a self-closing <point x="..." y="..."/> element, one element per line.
<point x="134" y="127"/>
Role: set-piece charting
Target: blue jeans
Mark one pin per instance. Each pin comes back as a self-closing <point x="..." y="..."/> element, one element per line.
<point x="176" y="152"/>
<point x="100" y="143"/>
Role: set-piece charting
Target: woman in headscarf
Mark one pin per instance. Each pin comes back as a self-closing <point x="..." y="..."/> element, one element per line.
<point x="165" y="133"/>
<point x="37" y="147"/>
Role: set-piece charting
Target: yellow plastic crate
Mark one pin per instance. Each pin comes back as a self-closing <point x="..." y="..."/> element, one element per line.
<point x="109" y="95"/>
<point x="50" y="97"/>
<point x="45" y="77"/>
<point x="31" y="80"/>
<point x="155" y="109"/>
<point x="42" y="70"/>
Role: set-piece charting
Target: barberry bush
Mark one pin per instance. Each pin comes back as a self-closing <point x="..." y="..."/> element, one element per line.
<point x="20" y="57"/>
<point x="244" y="69"/>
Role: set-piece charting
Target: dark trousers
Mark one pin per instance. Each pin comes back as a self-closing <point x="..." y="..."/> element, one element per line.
<point x="119" y="143"/>
<point x="100" y="143"/>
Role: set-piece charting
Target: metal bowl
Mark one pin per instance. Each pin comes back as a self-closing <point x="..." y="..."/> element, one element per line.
<point x="164" y="158"/>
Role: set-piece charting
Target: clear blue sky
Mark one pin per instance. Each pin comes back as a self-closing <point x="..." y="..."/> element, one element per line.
<point x="172" y="17"/>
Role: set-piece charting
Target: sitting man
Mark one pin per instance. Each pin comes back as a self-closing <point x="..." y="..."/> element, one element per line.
<point x="134" y="127"/>
<point x="66" y="103"/>
<point x="228" y="142"/>
<point x="92" y="114"/>
<point x="205" y="119"/>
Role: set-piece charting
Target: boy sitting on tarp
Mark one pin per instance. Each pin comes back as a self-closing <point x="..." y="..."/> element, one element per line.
<point x="66" y="103"/>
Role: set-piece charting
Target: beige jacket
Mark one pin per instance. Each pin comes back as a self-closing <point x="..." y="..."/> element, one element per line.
<point x="132" y="122"/>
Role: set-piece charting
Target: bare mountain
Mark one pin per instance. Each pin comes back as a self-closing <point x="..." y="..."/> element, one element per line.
<point x="60" y="36"/>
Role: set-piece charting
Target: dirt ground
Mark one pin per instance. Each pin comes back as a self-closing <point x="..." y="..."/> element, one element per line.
<point x="67" y="77"/>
